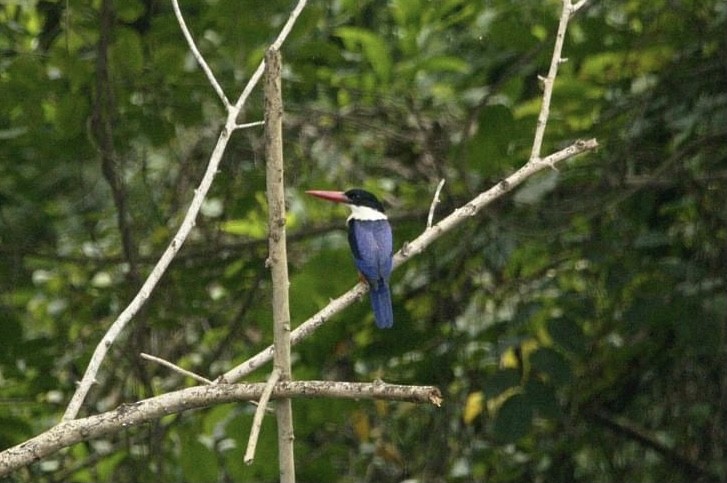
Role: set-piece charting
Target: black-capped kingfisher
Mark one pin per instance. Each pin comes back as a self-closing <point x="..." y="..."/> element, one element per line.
<point x="369" y="235"/>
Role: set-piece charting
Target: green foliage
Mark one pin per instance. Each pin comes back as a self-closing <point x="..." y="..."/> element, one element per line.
<point x="576" y="328"/>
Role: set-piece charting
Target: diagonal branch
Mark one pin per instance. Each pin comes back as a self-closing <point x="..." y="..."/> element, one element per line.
<point x="176" y="368"/>
<point x="198" y="56"/>
<point x="176" y="243"/>
<point x="629" y="430"/>
<point x="435" y="202"/>
<point x="275" y="45"/>
<point x="413" y="248"/>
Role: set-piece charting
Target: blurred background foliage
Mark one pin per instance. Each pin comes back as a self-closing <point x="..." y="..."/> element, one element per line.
<point x="578" y="328"/>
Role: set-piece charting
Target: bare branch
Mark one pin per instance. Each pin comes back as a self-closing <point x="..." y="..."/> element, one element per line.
<point x="89" y="377"/>
<point x="550" y="80"/>
<point x="275" y="45"/>
<point x="141" y="297"/>
<point x="483" y="199"/>
<point x="71" y="432"/>
<point x="435" y="202"/>
<point x="249" y="124"/>
<point x="534" y="164"/>
<point x="285" y="31"/>
<point x="299" y="333"/>
<point x="176" y="368"/>
<point x="578" y="6"/>
<point x="278" y="257"/>
<point x="198" y="56"/>
<point x="257" y="420"/>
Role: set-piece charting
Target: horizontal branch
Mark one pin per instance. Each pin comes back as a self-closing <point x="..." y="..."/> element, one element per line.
<point x="74" y="431"/>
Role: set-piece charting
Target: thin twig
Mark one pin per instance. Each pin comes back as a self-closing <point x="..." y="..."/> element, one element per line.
<point x="434" y="204"/>
<point x="198" y="56"/>
<point x="257" y="420"/>
<point x="549" y="81"/>
<point x="249" y="125"/>
<point x="176" y="368"/>
<point x="278" y="43"/>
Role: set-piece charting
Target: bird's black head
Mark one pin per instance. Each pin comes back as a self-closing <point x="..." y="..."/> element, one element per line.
<point x="361" y="197"/>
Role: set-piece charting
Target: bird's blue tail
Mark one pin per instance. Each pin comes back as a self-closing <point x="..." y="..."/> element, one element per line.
<point x="381" y="304"/>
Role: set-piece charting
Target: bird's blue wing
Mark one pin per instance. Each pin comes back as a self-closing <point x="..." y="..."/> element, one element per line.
<point x="372" y="245"/>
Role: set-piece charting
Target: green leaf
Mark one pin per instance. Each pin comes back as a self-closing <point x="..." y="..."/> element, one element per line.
<point x="129" y="10"/>
<point x="374" y="48"/>
<point x="487" y="150"/>
<point x="542" y="399"/>
<point x="12" y="430"/>
<point x="444" y="63"/>
<point x="500" y="381"/>
<point x="126" y="53"/>
<point x="198" y="463"/>
<point x="513" y="420"/>
<point x="105" y="468"/>
<point x="261" y="469"/>
<point x="568" y="335"/>
<point x="551" y="363"/>
<point x="71" y="114"/>
<point x="406" y="11"/>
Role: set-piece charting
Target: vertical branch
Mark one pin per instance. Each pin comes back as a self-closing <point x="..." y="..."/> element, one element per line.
<point x="568" y="10"/>
<point x="278" y="258"/>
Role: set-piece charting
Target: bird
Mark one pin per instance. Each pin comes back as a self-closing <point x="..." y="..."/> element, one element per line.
<point x="371" y="242"/>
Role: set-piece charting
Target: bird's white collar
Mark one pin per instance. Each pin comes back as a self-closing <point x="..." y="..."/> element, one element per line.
<point x="364" y="213"/>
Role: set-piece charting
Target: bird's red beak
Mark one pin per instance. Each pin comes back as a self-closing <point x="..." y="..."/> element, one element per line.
<point x="337" y="196"/>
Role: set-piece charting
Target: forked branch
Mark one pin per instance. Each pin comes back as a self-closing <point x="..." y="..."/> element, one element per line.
<point x="99" y="354"/>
